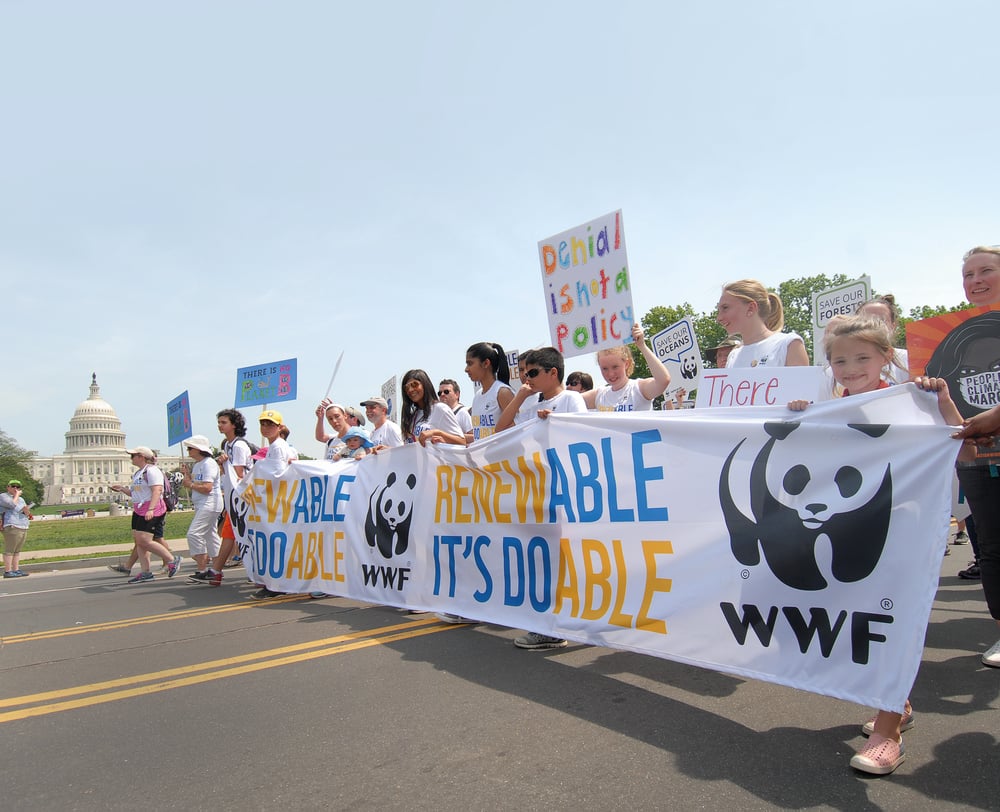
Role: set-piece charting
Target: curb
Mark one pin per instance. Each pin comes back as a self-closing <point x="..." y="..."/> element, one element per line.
<point x="35" y="565"/>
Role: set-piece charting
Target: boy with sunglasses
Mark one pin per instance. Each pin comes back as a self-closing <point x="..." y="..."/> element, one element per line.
<point x="543" y="382"/>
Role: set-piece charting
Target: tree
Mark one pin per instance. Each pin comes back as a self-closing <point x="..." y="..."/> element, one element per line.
<point x="13" y="465"/>
<point x="797" y="299"/>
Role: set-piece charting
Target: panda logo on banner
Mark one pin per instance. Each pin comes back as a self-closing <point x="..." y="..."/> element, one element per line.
<point x="794" y="502"/>
<point x="390" y="507"/>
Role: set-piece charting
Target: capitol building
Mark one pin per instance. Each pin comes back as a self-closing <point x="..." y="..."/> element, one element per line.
<point x="94" y="458"/>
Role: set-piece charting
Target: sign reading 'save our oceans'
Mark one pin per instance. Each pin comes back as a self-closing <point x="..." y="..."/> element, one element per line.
<point x="178" y="419"/>
<point x="266" y="383"/>
<point x="588" y="290"/>
<point x="677" y="349"/>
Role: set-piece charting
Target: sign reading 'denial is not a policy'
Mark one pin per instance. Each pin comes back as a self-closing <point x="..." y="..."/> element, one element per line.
<point x="266" y="383"/>
<point x="178" y="419"/>
<point x="588" y="291"/>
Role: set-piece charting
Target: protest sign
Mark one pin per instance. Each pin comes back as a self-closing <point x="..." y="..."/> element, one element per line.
<point x="178" y="419"/>
<point x="266" y="383"/>
<point x="761" y="386"/>
<point x="842" y="300"/>
<point x="677" y="536"/>
<point x="389" y="393"/>
<point x="677" y="348"/>
<point x="588" y="288"/>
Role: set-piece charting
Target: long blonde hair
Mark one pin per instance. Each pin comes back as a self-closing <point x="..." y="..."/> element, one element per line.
<point x="769" y="306"/>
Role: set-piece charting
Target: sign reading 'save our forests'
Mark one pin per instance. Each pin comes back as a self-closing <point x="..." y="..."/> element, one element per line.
<point x="598" y="527"/>
<point x="588" y="289"/>
<point x="179" y="419"/>
<point x="266" y="383"/>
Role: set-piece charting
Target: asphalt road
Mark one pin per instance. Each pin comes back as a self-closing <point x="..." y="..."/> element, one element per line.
<point x="170" y="696"/>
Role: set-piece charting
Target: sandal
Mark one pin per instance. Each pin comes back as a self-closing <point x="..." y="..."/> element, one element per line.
<point x="869" y="727"/>
<point x="879" y="756"/>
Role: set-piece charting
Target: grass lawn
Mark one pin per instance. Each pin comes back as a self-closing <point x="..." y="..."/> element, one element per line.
<point x="55" y="534"/>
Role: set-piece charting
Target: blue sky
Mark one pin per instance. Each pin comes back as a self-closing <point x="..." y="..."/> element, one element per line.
<point x="188" y="188"/>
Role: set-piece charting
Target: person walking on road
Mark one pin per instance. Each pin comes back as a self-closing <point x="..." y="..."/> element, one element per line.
<point x="16" y="517"/>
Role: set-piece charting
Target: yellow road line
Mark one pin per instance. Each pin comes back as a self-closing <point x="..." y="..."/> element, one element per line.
<point x="346" y="643"/>
<point x="29" y="637"/>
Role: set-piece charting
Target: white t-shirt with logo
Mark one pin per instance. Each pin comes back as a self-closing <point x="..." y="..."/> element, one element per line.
<point x="627" y="399"/>
<point x="769" y="352"/>
<point x="388" y="434"/>
<point x="486" y="410"/>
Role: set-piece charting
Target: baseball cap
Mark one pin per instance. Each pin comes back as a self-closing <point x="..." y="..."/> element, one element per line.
<point x="354" y="411"/>
<point x="144" y="450"/>
<point x="272" y="416"/>
<point x="376" y="402"/>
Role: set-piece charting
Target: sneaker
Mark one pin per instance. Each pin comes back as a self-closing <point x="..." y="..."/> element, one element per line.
<point x="961" y="537"/>
<point x="119" y="568"/>
<point x="235" y="561"/>
<point x="12" y="574"/>
<point x="880" y="756"/>
<point x="317" y="595"/>
<point x="972" y="573"/>
<point x="992" y="656"/>
<point x="264" y="594"/>
<point x="214" y="578"/>
<point x="534" y="640"/>
<point x="142" y="577"/>
<point x="869" y="727"/>
<point x="198" y="578"/>
<point x="444" y="617"/>
<point x="22" y="573"/>
<point x="173" y="566"/>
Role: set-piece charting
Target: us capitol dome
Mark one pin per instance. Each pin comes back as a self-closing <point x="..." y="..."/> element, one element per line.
<point x="94" y="458"/>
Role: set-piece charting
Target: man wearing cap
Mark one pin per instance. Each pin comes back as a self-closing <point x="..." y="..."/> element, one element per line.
<point x="355" y="417"/>
<point x="717" y="356"/>
<point x="385" y="433"/>
<point x="206" y="495"/>
<point x="16" y="516"/>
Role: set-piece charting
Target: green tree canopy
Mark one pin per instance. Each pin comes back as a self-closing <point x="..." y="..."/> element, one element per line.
<point x="13" y="465"/>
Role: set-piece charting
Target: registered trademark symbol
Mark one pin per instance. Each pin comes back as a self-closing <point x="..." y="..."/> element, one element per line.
<point x="886" y="604"/>
<point x="744" y="574"/>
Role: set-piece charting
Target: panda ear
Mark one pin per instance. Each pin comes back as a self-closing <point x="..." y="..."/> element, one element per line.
<point x="779" y="431"/>
<point x="390" y="479"/>
<point x="871" y="429"/>
<point x="411" y="481"/>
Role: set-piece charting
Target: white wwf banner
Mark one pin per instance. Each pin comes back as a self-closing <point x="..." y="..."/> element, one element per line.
<point x="799" y="548"/>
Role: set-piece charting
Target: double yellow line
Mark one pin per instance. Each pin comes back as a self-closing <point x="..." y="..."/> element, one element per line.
<point x="97" y="693"/>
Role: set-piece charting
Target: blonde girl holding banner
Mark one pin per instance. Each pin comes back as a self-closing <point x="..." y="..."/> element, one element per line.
<point x="857" y="348"/>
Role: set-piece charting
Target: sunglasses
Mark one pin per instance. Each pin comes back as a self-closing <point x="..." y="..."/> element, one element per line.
<point x="444" y="392"/>
<point x="534" y="372"/>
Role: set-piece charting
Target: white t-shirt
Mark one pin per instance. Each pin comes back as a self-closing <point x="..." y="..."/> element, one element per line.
<point x="486" y="410"/>
<point x="528" y="410"/>
<point x="239" y="453"/>
<point x="627" y="399"/>
<point x="566" y="402"/>
<point x="464" y="419"/>
<point x="279" y="450"/>
<point x="143" y="482"/>
<point x="388" y="434"/>
<point x="770" y="352"/>
<point x="334" y="447"/>
<point x="207" y="470"/>
<point x="897" y="370"/>
<point x="442" y="418"/>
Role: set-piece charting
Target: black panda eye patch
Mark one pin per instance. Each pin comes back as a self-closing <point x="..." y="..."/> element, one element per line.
<point x="848" y="481"/>
<point x="796" y="479"/>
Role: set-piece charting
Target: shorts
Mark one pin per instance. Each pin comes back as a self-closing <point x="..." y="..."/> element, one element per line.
<point x="227" y="527"/>
<point x="154" y="526"/>
<point x="13" y="539"/>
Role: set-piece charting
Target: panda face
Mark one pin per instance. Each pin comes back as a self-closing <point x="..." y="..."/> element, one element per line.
<point x="820" y="488"/>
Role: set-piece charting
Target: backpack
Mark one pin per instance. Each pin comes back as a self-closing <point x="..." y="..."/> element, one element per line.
<point x="169" y="495"/>
<point x="254" y="448"/>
